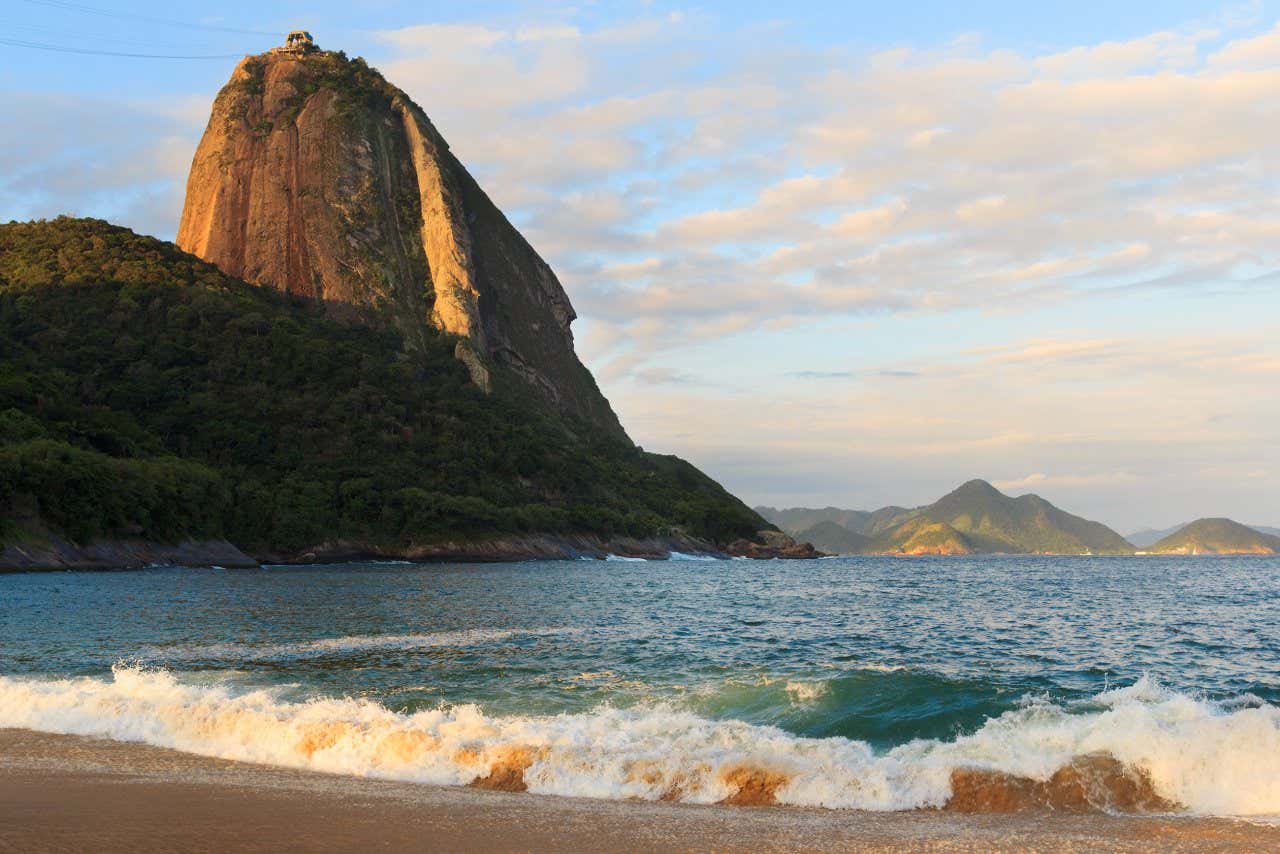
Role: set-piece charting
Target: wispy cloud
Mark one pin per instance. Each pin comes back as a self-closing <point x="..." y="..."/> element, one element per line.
<point x="823" y="375"/>
<point x="900" y="181"/>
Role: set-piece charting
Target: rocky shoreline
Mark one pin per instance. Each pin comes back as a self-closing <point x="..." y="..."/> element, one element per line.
<point x="55" y="554"/>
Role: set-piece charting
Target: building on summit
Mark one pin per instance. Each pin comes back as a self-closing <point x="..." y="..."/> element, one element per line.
<point x="298" y="41"/>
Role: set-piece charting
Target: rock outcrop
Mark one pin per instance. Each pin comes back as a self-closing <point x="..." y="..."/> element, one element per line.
<point x="53" y="553"/>
<point x="770" y="545"/>
<point x="317" y="177"/>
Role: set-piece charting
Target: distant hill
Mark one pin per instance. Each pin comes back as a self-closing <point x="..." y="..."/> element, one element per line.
<point x="975" y="519"/>
<point x="829" y="537"/>
<point x="1148" y="537"/>
<point x="1151" y="536"/>
<point x="1217" y="536"/>
<point x="796" y="520"/>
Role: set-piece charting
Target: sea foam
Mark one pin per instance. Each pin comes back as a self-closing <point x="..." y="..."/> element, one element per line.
<point x="1202" y="755"/>
<point x="321" y="647"/>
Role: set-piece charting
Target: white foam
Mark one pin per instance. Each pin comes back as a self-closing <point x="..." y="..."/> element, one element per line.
<point x="353" y="643"/>
<point x="1200" y="754"/>
<point x="687" y="556"/>
<point x="625" y="559"/>
<point x="802" y="692"/>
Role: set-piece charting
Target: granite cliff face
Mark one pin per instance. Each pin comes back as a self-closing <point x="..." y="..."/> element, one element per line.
<point x="317" y="177"/>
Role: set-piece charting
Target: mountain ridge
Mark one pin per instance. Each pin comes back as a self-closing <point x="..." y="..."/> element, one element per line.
<point x="974" y="518"/>
<point x="1216" y="536"/>
<point x="1150" y="536"/>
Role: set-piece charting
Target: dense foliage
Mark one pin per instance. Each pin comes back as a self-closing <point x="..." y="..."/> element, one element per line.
<point x="143" y="392"/>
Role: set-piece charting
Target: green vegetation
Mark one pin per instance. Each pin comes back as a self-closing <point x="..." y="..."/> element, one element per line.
<point x="1217" y="536"/>
<point x="143" y="392"/>
<point x="994" y="522"/>
<point x="975" y="518"/>
<point x="832" y="538"/>
<point x="922" y="536"/>
<point x="797" y="520"/>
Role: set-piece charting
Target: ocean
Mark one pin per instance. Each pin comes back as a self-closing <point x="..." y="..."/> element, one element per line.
<point x="861" y="683"/>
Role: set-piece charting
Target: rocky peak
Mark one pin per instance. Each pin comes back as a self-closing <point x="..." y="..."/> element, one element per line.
<point x="317" y="177"/>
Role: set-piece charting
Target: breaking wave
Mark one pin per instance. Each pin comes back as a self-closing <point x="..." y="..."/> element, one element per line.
<point x="1146" y="747"/>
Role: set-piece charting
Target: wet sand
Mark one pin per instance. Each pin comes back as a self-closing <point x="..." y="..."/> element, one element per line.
<point x="67" y="793"/>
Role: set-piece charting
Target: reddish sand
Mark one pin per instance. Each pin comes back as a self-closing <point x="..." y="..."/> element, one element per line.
<point x="64" y="793"/>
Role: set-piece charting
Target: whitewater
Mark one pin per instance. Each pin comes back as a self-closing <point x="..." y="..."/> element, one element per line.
<point x="846" y="684"/>
<point x="1210" y="759"/>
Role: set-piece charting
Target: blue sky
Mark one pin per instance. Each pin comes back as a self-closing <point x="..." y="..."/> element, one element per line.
<point x="857" y="26"/>
<point x="831" y="252"/>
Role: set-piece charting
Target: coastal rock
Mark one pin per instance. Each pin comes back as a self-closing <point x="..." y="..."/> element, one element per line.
<point x="54" y="553"/>
<point x="770" y="545"/>
<point x="317" y="177"/>
<point x="506" y="549"/>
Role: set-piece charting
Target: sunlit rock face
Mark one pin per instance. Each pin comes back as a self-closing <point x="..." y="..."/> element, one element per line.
<point x="317" y="177"/>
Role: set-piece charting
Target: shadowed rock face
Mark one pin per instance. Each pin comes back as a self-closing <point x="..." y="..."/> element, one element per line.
<point x="317" y="177"/>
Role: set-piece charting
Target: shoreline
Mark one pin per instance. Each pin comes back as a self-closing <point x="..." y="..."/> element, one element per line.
<point x="60" y="792"/>
<point x="54" y="554"/>
<point x="58" y="555"/>
<point x="131" y="555"/>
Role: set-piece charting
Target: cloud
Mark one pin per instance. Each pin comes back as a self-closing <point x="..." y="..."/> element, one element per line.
<point x="131" y="169"/>
<point x="823" y="375"/>
<point x="901" y="181"/>
<point x="1039" y="480"/>
<point x="1130" y="429"/>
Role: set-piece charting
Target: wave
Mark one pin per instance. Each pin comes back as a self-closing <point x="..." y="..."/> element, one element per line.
<point x="671" y="556"/>
<point x="1186" y="751"/>
<point x="321" y="647"/>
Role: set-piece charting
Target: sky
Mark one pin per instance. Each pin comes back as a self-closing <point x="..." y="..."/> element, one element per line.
<point x="832" y="253"/>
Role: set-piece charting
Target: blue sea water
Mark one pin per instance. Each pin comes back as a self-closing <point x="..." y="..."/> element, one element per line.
<point x="864" y="681"/>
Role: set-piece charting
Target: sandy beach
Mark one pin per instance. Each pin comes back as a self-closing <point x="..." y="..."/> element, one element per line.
<point x="68" y="793"/>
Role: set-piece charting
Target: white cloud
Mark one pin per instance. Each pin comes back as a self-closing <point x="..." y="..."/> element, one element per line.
<point x="907" y="180"/>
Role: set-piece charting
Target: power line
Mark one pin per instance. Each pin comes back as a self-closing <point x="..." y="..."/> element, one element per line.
<point x="129" y="16"/>
<point x="65" y="35"/>
<point x="61" y="49"/>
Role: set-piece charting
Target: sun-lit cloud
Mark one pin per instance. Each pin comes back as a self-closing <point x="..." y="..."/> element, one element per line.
<point x="904" y="181"/>
<point x="132" y="166"/>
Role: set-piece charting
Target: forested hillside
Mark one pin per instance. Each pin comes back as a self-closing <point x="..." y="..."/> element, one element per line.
<point x="144" y="393"/>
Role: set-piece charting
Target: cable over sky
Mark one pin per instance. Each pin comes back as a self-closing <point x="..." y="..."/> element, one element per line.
<point x="130" y="16"/>
<point x="93" y="52"/>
